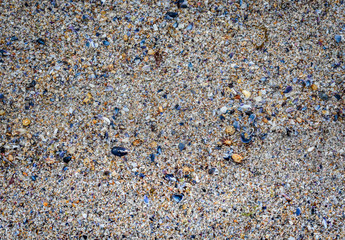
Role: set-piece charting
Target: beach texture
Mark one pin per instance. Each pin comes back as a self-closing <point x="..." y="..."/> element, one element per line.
<point x="172" y="120"/>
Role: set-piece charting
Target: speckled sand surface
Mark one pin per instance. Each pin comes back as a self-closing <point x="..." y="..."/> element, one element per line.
<point x="229" y="114"/>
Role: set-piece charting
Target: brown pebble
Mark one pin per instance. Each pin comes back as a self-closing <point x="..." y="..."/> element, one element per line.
<point x="26" y="122"/>
<point x="237" y="158"/>
<point x="230" y="130"/>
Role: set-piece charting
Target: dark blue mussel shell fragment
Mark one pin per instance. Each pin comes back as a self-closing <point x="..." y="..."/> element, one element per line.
<point x="119" y="151"/>
<point x="170" y="177"/>
<point x="288" y="89"/>
<point x="159" y="150"/>
<point x="246" y="137"/>
<point x="41" y="41"/>
<point x="171" y="15"/>
<point x="177" y="197"/>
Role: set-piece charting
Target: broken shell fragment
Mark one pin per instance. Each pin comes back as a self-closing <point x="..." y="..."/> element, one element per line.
<point x="246" y="93"/>
<point x="237" y="158"/>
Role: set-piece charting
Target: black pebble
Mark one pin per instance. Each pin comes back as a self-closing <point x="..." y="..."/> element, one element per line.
<point x="119" y="151"/>
<point x="212" y="171"/>
<point x="337" y="96"/>
<point x="41" y="41"/>
<point x="172" y="14"/>
<point x="32" y="84"/>
<point x="67" y="159"/>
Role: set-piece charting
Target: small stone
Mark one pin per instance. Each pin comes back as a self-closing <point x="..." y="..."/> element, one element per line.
<point x="323" y="96"/>
<point x="288" y="89"/>
<point x="153" y="144"/>
<point x="2" y="112"/>
<point x="50" y="160"/>
<point x="146" y="199"/>
<point x="160" y="109"/>
<point x="258" y="99"/>
<point x="299" y="120"/>
<point x="246" y="93"/>
<point x="177" y="197"/>
<point x="213" y="171"/>
<point x="181" y="146"/>
<point x="182" y="4"/>
<point x="26" y="122"/>
<point x="337" y="38"/>
<point x="137" y="142"/>
<point x="67" y="159"/>
<point x="151" y="52"/>
<point x="230" y="130"/>
<point x="298" y="212"/>
<point x="310" y="149"/>
<point x="119" y="151"/>
<point x="171" y="15"/>
<point x="223" y="109"/>
<point x="237" y="158"/>
<point x="125" y="38"/>
<point x="10" y="157"/>
<point x="313" y="87"/>
<point x="41" y="41"/>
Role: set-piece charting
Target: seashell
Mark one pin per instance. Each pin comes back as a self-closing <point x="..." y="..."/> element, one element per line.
<point x="213" y="171"/>
<point x="177" y="197"/>
<point x="181" y="146"/>
<point x="230" y="130"/>
<point x="252" y="118"/>
<point x="288" y="89"/>
<point x="246" y="93"/>
<point x="246" y="137"/>
<point x="26" y="122"/>
<point x="137" y="142"/>
<point x="146" y="199"/>
<point x="159" y="150"/>
<point x="237" y="158"/>
<point x="236" y="125"/>
<point x="171" y="15"/>
<point x="170" y="177"/>
<point x="119" y="151"/>
<point x="67" y="159"/>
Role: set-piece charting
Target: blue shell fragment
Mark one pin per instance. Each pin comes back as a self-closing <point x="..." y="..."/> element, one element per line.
<point x="228" y="154"/>
<point x="116" y="111"/>
<point x="246" y="137"/>
<point x="298" y="212"/>
<point x="159" y="150"/>
<point x="177" y="197"/>
<point x="171" y="15"/>
<point x="41" y="41"/>
<point x="146" y="199"/>
<point x="337" y="38"/>
<point x="236" y="125"/>
<point x="190" y="27"/>
<point x="181" y="146"/>
<point x="67" y="159"/>
<point x="119" y="151"/>
<point x="288" y="89"/>
<point x="323" y="96"/>
<point x="152" y="157"/>
<point x="252" y="118"/>
<point x="170" y="177"/>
